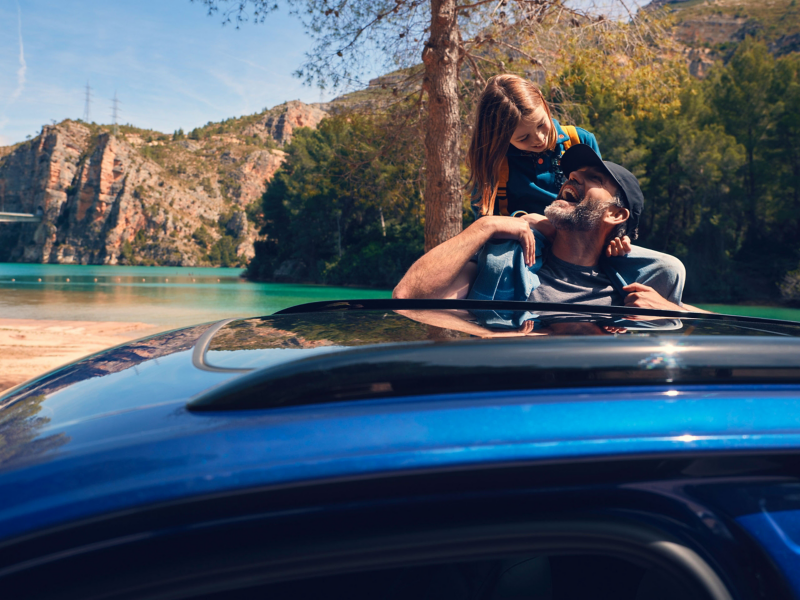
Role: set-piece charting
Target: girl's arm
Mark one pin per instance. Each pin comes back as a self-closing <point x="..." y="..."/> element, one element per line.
<point x="616" y="247"/>
<point x="446" y="271"/>
<point x="540" y="223"/>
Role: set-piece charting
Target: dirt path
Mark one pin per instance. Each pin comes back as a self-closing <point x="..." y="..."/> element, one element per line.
<point x="31" y="347"/>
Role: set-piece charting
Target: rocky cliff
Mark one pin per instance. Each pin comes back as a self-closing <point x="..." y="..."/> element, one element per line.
<point x="709" y="30"/>
<point x="143" y="197"/>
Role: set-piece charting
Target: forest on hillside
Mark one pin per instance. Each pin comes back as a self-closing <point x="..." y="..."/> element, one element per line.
<point x="718" y="160"/>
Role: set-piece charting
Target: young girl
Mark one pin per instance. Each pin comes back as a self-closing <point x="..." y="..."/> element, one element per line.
<point x="514" y="161"/>
<point x="516" y="147"/>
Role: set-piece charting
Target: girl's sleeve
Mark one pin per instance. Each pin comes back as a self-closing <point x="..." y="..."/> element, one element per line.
<point x="588" y="138"/>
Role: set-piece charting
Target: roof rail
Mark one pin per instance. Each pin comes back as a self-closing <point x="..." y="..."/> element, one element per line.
<point x="506" y="364"/>
<point x="588" y="309"/>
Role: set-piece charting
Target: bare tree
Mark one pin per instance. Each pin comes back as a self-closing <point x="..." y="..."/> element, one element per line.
<point x="356" y="36"/>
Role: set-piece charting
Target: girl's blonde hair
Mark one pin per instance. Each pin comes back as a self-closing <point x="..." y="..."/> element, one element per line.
<point x="506" y="100"/>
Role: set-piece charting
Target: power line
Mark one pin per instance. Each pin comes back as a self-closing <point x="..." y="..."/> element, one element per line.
<point x="88" y="102"/>
<point x="115" y="114"/>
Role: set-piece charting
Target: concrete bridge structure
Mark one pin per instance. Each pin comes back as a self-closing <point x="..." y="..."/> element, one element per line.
<point x="7" y="217"/>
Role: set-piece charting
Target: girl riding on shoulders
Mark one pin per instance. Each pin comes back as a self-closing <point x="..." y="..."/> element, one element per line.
<point x="514" y="162"/>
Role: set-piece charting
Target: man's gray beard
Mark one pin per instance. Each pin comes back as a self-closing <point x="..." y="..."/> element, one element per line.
<point x="584" y="217"/>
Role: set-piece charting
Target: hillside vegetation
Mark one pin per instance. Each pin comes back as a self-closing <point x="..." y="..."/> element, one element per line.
<point x="718" y="160"/>
<point x="770" y="20"/>
<point x="142" y="196"/>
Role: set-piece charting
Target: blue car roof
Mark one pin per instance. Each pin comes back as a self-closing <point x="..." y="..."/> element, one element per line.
<point x="117" y="430"/>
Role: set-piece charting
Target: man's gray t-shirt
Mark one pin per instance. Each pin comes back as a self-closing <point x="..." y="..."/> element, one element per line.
<point x="566" y="283"/>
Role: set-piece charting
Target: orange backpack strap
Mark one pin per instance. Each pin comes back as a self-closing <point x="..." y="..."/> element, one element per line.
<point x="572" y="132"/>
<point x="501" y="201"/>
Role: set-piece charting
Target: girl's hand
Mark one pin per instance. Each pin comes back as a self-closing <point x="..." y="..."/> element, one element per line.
<point x="509" y="228"/>
<point x="541" y="224"/>
<point x="619" y="247"/>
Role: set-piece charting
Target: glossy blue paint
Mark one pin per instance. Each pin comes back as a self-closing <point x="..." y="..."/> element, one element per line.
<point x="778" y="533"/>
<point x="90" y="461"/>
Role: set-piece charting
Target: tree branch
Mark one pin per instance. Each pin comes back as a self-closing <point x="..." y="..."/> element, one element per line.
<point x="498" y="64"/>
<point x="475" y="69"/>
<point x="469" y="6"/>
<point x="535" y="61"/>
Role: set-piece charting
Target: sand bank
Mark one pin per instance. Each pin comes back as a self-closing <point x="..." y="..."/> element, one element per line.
<point x="31" y="347"/>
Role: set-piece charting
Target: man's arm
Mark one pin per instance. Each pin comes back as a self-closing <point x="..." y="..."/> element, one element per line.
<point x="460" y="320"/>
<point x="643" y="296"/>
<point x="445" y="271"/>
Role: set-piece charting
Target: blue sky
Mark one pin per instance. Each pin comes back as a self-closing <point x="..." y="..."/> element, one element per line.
<point x="170" y="64"/>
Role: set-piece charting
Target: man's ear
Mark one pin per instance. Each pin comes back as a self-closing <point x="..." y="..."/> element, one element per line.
<point x="616" y="215"/>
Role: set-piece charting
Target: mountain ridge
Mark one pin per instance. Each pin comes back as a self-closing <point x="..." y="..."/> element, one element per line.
<point x="143" y="197"/>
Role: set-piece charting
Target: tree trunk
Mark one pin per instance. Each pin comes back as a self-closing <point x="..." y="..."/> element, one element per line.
<point x="442" y="176"/>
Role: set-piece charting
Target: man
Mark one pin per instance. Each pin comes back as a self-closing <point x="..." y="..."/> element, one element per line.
<point x="561" y="260"/>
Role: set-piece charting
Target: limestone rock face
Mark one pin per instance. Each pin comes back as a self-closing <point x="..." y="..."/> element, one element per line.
<point x="37" y="175"/>
<point x="280" y="122"/>
<point x="713" y="30"/>
<point x="254" y="171"/>
<point x="96" y="193"/>
<point x="700" y="61"/>
<point x="139" y="197"/>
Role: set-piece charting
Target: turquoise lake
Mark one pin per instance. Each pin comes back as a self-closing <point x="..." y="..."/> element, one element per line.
<point x="169" y="297"/>
<point x="166" y="297"/>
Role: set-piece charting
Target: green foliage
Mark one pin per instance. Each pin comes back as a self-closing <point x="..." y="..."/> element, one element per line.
<point x="790" y="286"/>
<point x="228" y="185"/>
<point x="718" y="160"/>
<point x="322" y="210"/>
<point x="207" y="187"/>
<point x="178" y="135"/>
<point x="375" y="260"/>
<point x="755" y="99"/>
<point x="223" y="252"/>
<point x="157" y="153"/>
<point x="202" y="237"/>
<point x="126" y="252"/>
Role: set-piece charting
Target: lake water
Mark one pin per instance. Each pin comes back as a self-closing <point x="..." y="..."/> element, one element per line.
<point x="170" y="297"/>
<point x="163" y="296"/>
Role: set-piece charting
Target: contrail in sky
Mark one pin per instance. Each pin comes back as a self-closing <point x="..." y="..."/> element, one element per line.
<point x="23" y="68"/>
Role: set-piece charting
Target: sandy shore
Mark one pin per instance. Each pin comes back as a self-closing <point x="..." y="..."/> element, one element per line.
<point x="31" y="347"/>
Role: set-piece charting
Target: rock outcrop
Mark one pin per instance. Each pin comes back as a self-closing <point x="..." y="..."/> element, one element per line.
<point x="279" y="124"/>
<point x="141" y="197"/>
<point x="709" y="31"/>
<point x="255" y="169"/>
<point x="713" y="29"/>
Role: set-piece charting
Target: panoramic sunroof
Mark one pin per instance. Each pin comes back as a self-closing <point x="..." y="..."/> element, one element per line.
<point x="509" y="363"/>
<point x="313" y="329"/>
